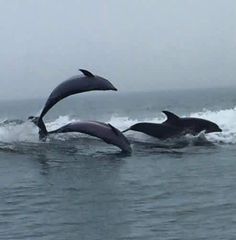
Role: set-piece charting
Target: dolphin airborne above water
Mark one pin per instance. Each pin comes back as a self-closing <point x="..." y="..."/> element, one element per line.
<point x="175" y="126"/>
<point x="76" y="84"/>
<point x="79" y="84"/>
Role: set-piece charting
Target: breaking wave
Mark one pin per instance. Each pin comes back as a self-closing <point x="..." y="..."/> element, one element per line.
<point x="19" y="131"/>
<point x="226" y="119"/>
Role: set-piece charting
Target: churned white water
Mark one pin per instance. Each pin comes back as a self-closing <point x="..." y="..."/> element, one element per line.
<point x="225" y="118"/>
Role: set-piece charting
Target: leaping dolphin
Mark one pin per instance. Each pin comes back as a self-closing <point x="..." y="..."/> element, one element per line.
<point x="76" y="84"/>
<point x="106" y="132"/>
<point x="190" y="125"/>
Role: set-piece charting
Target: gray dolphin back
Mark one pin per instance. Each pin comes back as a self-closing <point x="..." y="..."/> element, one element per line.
<point x="106" y="132"/>
<point x="160" y="131"/>
<point x="190" y="125"/>
<point x="76" y="84"/>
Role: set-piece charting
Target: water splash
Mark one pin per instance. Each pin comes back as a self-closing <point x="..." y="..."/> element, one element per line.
<point x="15" y="131"/>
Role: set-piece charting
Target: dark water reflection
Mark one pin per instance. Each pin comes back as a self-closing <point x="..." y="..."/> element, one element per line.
<point x="167" y="194"/>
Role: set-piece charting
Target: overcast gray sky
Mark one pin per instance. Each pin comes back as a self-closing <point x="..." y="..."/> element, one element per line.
<point x="137" y="44"/>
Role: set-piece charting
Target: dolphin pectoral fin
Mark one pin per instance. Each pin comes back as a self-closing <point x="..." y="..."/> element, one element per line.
<point x="86" y="73"/>
<point x="114" y="129"/>
<point x="171" y="117"/>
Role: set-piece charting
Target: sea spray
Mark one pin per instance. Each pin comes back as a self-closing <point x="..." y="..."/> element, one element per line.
<point x="226" y="119"/>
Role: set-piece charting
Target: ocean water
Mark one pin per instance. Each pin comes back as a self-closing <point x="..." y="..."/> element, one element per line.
<point x="77" y="187"/>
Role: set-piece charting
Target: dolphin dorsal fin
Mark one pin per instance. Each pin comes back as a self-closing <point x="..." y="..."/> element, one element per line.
<point x="171" y="117"/>
<point x="114" y="129"/>
<point x="86" y="73"/>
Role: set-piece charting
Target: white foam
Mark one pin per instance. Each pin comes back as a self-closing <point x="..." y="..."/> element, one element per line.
<point x="226" y="119"/>
<point x="25" y="132"/>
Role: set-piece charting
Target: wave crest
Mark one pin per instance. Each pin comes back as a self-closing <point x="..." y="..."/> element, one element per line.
<point x="17" y="131"/>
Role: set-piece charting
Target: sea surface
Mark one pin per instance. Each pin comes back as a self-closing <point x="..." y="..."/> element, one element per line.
<point x="78" y="187"/>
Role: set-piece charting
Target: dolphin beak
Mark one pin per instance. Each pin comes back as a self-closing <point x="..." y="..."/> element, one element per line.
<point x="111" y="86"/>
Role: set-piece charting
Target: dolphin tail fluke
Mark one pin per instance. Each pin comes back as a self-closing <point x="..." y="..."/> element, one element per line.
<point x="41" y="125"/>
<point x="34" y="120"/>
<point x="43" y="130"/>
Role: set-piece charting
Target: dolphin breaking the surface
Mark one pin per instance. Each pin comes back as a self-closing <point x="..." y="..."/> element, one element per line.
<point x="106" y="132"/>
<point x="175" y="126"/>
<point x="190" y="125"/>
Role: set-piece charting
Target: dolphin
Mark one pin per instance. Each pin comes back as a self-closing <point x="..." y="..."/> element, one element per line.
<point x="106" y="132"/>
<point x="156" y="130"/>
<point x="76" y="84"/>
<point x="190" y="125"/>
<point x="175" y="126"/>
